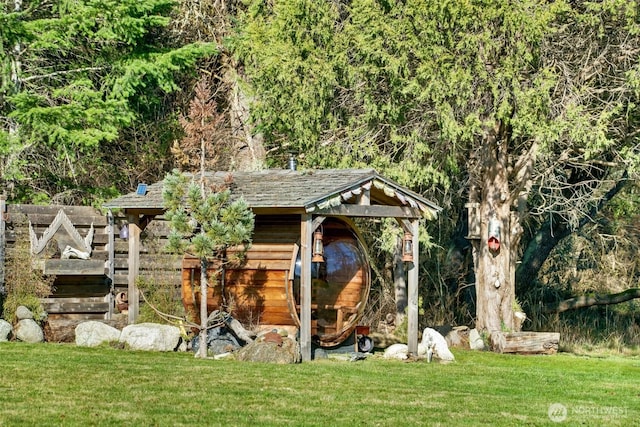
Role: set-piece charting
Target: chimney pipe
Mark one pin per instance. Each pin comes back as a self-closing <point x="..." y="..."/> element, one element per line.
<point x="292" y="162"/>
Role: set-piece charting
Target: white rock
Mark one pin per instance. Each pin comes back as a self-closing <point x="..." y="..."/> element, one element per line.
<point x="28" y="330"/>
<point x="93" y="333"/>
<point x="5" y="330"/>
<point x="23" y="312"/>
<point x="475" y="340"/>
<point x="432" y="339"/>
<point x="396" y="351"/>
<point x="151" y="336"/>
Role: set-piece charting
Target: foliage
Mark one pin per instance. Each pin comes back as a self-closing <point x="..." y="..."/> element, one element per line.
<point x="24" y="285"/>
<point x="161" y="297"/>
<point x="600" y="391"/>
<point x="161" y="293"/>
<point x="203" y="134"/>
<point x="430" y="93"/>
<point x="76" y="77"/>
<point x="204" y="225"/>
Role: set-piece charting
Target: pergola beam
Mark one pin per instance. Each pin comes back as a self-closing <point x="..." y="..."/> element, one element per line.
<point x="134" y="267"/>
<point x="306" y="231"/>
<point x="412" y="293"/>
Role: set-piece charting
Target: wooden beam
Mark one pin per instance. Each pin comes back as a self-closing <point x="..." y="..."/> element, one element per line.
<point x="134" y="267"/>
<point x="412" y="293"/>
<point x="306" y="230"/>
<point x="3" y="241"/>
<point x="74" y="267"/>
<point x="379" y="211"/>
<point x="111" y="262"/>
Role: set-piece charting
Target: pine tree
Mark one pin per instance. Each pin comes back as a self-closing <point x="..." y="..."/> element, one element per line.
<point x="205" y="220"/>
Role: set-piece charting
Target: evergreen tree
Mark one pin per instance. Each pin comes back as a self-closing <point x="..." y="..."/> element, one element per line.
<point x="204" y="220"/>
<point x="76" y="75"/>
<point x="512" y="105"/>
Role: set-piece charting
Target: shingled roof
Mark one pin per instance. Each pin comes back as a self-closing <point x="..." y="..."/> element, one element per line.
<point x="292" y="191"/>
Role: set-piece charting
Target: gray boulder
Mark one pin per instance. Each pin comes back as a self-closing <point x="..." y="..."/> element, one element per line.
<point x="94" y="333"/>
<point x="220" y="340"/>
<point x="151" y="337"/>
<point x="270" y="351"/>
<point x="28" y="330"/>
<point x="5" y="330"/>
<point x="23" y="312"/>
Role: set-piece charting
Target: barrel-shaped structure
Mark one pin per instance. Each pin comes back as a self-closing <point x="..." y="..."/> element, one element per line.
<point x="264" y="288"/>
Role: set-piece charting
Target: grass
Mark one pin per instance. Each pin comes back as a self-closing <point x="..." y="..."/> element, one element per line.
<point x="61" y="384"/>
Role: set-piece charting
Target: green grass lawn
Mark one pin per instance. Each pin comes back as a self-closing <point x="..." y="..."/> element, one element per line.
<point x="61" y="384"/>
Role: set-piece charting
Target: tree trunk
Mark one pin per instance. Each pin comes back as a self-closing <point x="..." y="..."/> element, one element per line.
<point x="249" y="146"/>
<point x="202" y="349"/>
<point x="495" y="275"/>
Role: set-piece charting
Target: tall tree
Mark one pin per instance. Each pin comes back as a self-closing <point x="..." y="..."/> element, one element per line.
<point x="76" y="75"/>
<point x="204" y="220"/>
<point x="488" y="96"/>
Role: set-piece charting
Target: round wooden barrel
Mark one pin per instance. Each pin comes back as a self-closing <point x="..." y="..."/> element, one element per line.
<point x="339" y="286"/>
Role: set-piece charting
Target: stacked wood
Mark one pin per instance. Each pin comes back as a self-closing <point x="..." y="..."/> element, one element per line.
<point x="525" y="342"/>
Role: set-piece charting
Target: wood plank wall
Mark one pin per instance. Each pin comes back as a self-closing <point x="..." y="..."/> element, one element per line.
<point x="85" y="289"/>
<point x="256" y="291"/>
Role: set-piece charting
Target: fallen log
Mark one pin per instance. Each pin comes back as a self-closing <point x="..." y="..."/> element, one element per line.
<point x="591" y="300"/>
<point x="525" y="342"/>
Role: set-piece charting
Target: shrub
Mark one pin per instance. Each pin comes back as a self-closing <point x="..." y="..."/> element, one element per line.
<point x="24" y="284"/>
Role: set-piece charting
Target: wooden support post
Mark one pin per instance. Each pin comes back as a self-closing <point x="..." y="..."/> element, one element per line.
<point x="306" y="231"/>
<point x="412" y="293"/>
<point x="3" y="241"/>
<point x="134" y="267"/>
<point x="111" y="269"/>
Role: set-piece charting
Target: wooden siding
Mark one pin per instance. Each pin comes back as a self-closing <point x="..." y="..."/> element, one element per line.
<point x="85" y="289"/>
<point x="256" y="290"/>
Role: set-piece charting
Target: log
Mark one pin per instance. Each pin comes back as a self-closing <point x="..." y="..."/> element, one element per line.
<point x="525" y="342"/>
<point x="591" y="300"/>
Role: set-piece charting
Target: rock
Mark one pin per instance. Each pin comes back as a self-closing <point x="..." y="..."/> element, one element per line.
<point x="458" y="337"/>
<point x="432" y="339"/>
<point x="5" y="330"/>
<point x="397" y="351"/>
<point x="94" y="333"/>
<point x="151" y="337"/>
<point x="219" y="341"/>
<point x="475" y="340"/>
<point x="28" y="330"/>
<point x="271" y="352"/>
<point x="23" y="312"/>
<point x="401" y="351"/>
<point x="319" y="353"/>
<point x="273" y="337"/>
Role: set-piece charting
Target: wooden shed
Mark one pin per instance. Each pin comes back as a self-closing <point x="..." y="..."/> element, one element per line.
<point x="279" y="284"/>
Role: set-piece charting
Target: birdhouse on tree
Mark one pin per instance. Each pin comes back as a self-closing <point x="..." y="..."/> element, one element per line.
<point x="473" y="221"/>
<point x="493" y="240"/>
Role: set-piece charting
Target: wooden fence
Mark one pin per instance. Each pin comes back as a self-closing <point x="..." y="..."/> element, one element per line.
<point x="84" y="289"/>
